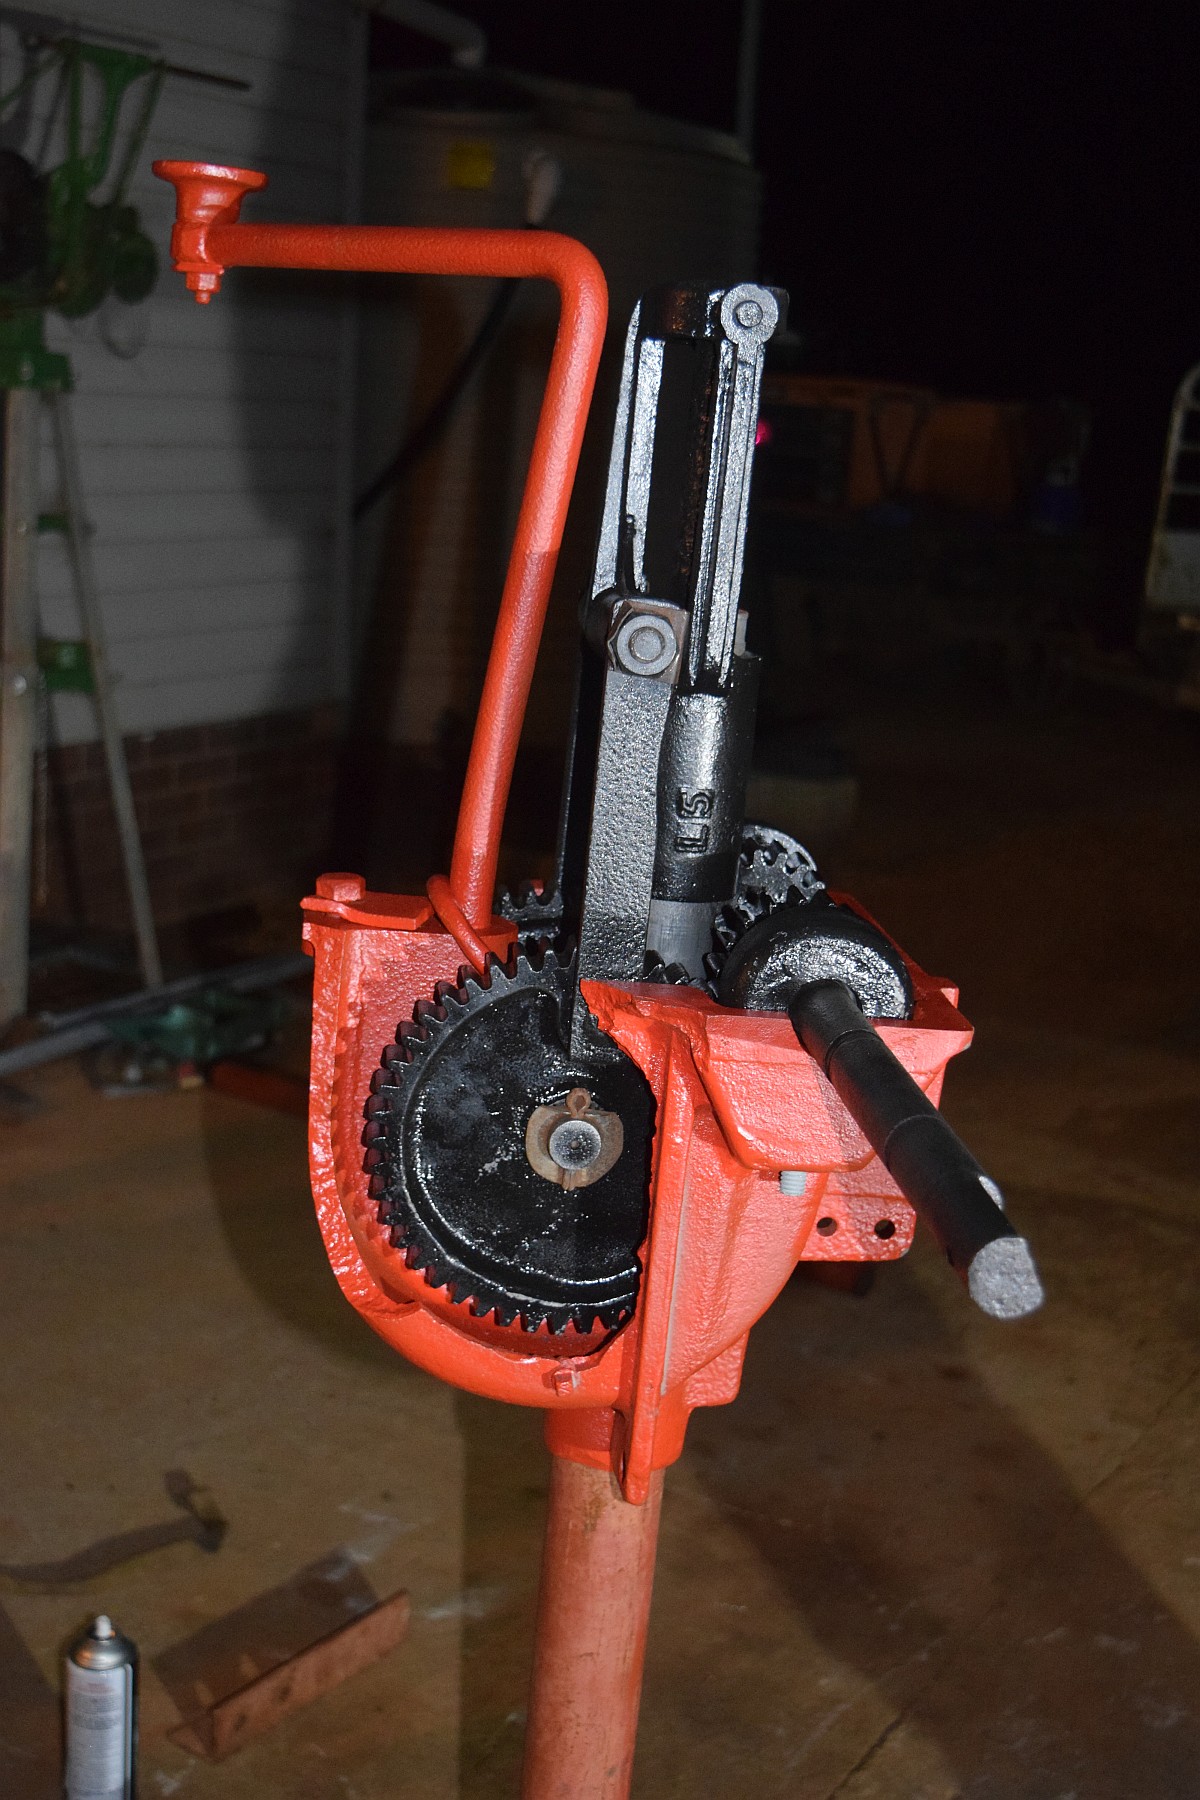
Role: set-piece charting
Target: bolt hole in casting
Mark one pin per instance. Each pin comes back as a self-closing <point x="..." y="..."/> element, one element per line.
<point x="567" y="1145"/>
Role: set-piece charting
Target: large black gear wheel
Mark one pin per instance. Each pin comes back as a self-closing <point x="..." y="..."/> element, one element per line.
<point x="446" y="1152"/>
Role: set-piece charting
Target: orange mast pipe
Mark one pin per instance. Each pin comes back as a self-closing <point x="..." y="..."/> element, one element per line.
<point x="207" y="239"/>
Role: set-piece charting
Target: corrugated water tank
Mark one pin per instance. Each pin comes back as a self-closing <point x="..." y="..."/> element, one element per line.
<point x="656" y="200"/>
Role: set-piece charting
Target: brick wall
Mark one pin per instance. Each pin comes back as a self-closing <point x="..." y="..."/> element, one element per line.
<point x="229" y="814"/>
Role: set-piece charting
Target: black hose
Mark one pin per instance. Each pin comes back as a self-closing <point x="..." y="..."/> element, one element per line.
<point x="427" y="433"/>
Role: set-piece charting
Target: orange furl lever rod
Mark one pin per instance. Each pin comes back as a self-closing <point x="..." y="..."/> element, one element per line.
<point x="208" y="239"/>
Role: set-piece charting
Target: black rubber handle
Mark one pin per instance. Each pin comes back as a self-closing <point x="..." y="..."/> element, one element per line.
<point x="929" y="1163"/>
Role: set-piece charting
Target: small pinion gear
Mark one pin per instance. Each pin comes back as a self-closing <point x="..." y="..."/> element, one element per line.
<point x="773" y="867"/>
<point x="448" y="1163"/>
<point x="764" y="951"/>
<point x="535" y="910"/>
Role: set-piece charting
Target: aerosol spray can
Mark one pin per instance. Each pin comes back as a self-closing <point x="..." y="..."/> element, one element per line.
<point x="100" y="1708"/>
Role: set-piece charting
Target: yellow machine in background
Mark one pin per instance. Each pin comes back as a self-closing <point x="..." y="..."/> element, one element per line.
<point x="892" y="522"/>
<point x="864" y="443"/>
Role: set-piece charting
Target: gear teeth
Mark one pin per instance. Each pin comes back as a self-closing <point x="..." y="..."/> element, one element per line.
<point x="539" y="961"/>
<point x="725" y="927"/>
<point x="769" y="853"/>
<point x="776" y="870"/>
<point x="667" y="974"/>
<point x="529" y="907"/>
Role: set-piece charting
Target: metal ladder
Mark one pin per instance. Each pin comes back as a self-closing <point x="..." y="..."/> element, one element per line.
<point x="19" y="680"/>
<point x="1173" y="571"/>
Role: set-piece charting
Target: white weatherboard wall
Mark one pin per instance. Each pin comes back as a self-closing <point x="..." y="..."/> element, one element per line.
<point x="214" y="460"/>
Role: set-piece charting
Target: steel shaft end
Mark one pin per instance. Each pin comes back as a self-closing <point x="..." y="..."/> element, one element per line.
<point x="1003" y="1280"/>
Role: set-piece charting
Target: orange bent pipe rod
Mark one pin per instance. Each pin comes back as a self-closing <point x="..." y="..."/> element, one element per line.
<point x="208" y="239"/>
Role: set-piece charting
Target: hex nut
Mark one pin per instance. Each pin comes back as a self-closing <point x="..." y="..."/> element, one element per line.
<point x="750" y="313"/>
<point x="346" y="888"/>
<point x="644" y="644"/>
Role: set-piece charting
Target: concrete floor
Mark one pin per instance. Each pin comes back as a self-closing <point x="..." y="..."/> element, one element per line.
<point x="923" y="1556"/>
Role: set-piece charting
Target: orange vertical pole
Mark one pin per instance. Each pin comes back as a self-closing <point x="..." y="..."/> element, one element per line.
<point x="208" y="238"/>
<point x="593" y="1612"/>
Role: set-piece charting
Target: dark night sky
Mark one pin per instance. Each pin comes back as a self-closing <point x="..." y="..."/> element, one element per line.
<point x="1001" y="201"/>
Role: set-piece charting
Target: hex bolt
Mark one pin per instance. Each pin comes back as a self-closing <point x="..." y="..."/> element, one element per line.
<point x="347" y="888"/>
<point x="645" y="644"/>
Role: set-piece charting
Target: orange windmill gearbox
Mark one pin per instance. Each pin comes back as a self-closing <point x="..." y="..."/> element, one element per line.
<point x="568" y="1143"/>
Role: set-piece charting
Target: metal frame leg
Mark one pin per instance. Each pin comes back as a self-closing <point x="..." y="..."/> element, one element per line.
<point x="18" y="690"/>
<point x="110" y="730"/>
